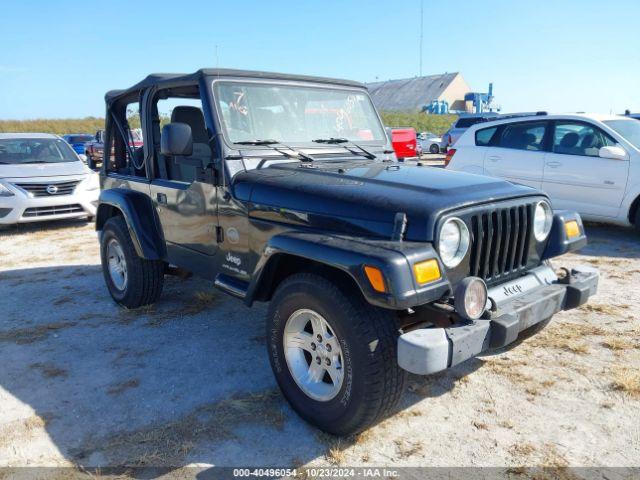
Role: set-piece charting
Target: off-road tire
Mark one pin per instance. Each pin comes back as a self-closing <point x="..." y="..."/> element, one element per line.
<point x="145" y="277"/>
<point x="434" y="149"/>
<point x="373" y="382"/>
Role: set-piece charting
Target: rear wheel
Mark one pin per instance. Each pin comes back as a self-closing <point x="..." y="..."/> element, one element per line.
<point x="333" y="354"/>
<point x="132" y="281"/>
<point x="434" y="148"/>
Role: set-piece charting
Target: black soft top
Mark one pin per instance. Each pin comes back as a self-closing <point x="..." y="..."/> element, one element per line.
<point x="161" y="79"/>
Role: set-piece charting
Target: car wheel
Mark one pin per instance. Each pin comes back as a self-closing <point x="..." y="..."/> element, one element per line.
<point x="636" y="221"/>
<point x="333" y="355"/>
<point x="132" y="281"/>
<point x="434" y="148"/>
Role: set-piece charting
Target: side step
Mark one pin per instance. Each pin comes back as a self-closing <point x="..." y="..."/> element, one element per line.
<point x="231" y="285"/>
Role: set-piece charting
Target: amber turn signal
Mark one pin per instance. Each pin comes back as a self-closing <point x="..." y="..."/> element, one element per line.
<point x="426" y="271"/>
<point x="376" y="279"/>
<point x="572" y="229"/>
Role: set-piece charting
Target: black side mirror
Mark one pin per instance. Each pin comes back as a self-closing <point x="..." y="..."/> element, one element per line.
<point x="176" y="139"/>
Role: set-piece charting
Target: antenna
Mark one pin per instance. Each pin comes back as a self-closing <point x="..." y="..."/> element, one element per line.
<point x="217" y="63"/>
<point x="421" y="31"/>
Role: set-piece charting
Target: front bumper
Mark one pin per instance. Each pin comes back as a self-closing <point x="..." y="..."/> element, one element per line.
<point x="22" y="208"/>
<point x="517" y="305"/>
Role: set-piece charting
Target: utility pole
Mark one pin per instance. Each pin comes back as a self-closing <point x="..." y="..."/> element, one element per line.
<point x="421" y="31"/>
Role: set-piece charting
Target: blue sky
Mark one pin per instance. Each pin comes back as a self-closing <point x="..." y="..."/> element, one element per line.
<point x="58" y="58"/>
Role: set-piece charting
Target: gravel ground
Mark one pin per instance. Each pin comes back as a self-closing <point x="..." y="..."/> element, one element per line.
<point x="85" y="383"/>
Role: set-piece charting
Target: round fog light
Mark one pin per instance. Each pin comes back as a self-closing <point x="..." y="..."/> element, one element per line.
<point x="471" y="298"/>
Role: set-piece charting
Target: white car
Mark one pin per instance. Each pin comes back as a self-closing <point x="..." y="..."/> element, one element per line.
<point x="429" y="142"/>
<point x="588" y="163"/>
<point x="42" y="178"/>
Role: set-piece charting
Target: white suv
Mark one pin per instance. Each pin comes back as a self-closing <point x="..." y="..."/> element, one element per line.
<point x="588" y="163"/>
<point x="42" y="178"/>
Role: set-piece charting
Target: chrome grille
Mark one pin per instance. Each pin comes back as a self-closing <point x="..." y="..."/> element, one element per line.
<point x="54" y="188"/>
<point x="500" y="242"/>
<point x="53" y="210"/>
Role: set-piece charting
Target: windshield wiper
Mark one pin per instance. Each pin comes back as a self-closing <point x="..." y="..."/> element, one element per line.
<point x="297" y="154"/>
<point x="342" y="141"/>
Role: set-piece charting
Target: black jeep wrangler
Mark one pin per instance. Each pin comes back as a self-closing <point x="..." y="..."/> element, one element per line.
<point x="285" y="189"/>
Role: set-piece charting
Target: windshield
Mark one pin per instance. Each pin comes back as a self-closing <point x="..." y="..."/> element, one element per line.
<point x="295" y="114"/>
<point x="629" y="129"/>
<point x="35" y="150"/>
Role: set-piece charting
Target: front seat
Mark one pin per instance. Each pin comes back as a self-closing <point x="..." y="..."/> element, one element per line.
<point x="193" y="117"/>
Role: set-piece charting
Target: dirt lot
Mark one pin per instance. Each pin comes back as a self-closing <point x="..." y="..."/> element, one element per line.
<point x="83" y="382"/>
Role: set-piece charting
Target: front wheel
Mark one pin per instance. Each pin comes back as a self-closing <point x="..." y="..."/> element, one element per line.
<point x="434" y="148"/>
<point x="333" y="354"/>
<point x="132" y="281"/>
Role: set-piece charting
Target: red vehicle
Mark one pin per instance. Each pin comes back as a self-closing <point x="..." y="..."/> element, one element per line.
<point x="404" y="142"/>
<point x="94" y="150"/>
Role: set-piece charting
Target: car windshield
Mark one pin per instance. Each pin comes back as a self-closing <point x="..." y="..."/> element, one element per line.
<point x="294" y="114"/>
<point x="79" y="138"/>
<point x="35" y="150"/>
<point x="628" y="129"/>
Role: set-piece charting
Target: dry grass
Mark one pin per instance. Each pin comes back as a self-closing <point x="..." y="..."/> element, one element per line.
<point x="567" y="336"/>
<point x="628" y="381"/>
<point x="522" y="449"/>
<point x="62" y="300"/>
<point x="23" y="336"/>
<point x="170" y="443"/>
<point x="49" y="370"/>
<point x="19" y="430"/>
<point x="123" y="387"/>
<point x="617" y="343"/>
<point x="336" y="454"/>
<point x="604" y="308"/>
<point x="200" y="301"/>
<point x="407" y="448"/>
<point x="480" y="425"/>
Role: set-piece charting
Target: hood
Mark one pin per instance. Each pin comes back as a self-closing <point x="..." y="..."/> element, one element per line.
<point x="363" y="197"/>
<point x="32" y="170"/>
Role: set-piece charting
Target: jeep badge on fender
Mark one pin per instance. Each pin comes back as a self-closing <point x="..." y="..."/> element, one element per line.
<point x="372" y="267"/>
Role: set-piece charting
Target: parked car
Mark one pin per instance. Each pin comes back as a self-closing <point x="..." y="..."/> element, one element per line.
<point x="95" y="149"/>
<point x="458" y="127"/>
<point x="372" y="267"/>
<point x="78" y="141"/>
<point x="42" y="178"/>
<point x="430" y="142"/>
<point x="404" y="142"/>
<point x="633" y="115"/>
<point x="587" y="163"/>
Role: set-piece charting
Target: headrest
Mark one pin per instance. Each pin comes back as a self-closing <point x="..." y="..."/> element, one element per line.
<point x="588" y="141"/>
<point x="193" y="117"/>
<point x="569" y="140"/>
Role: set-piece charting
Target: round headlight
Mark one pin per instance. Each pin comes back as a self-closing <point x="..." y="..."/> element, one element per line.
<point x="542" y="220"/>
<point x="453" y="242"/>
<point x="471" y="298"/>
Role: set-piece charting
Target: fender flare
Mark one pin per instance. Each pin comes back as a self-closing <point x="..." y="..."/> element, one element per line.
<point x="349" y="255"/>
<point x="141" y="219"/>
